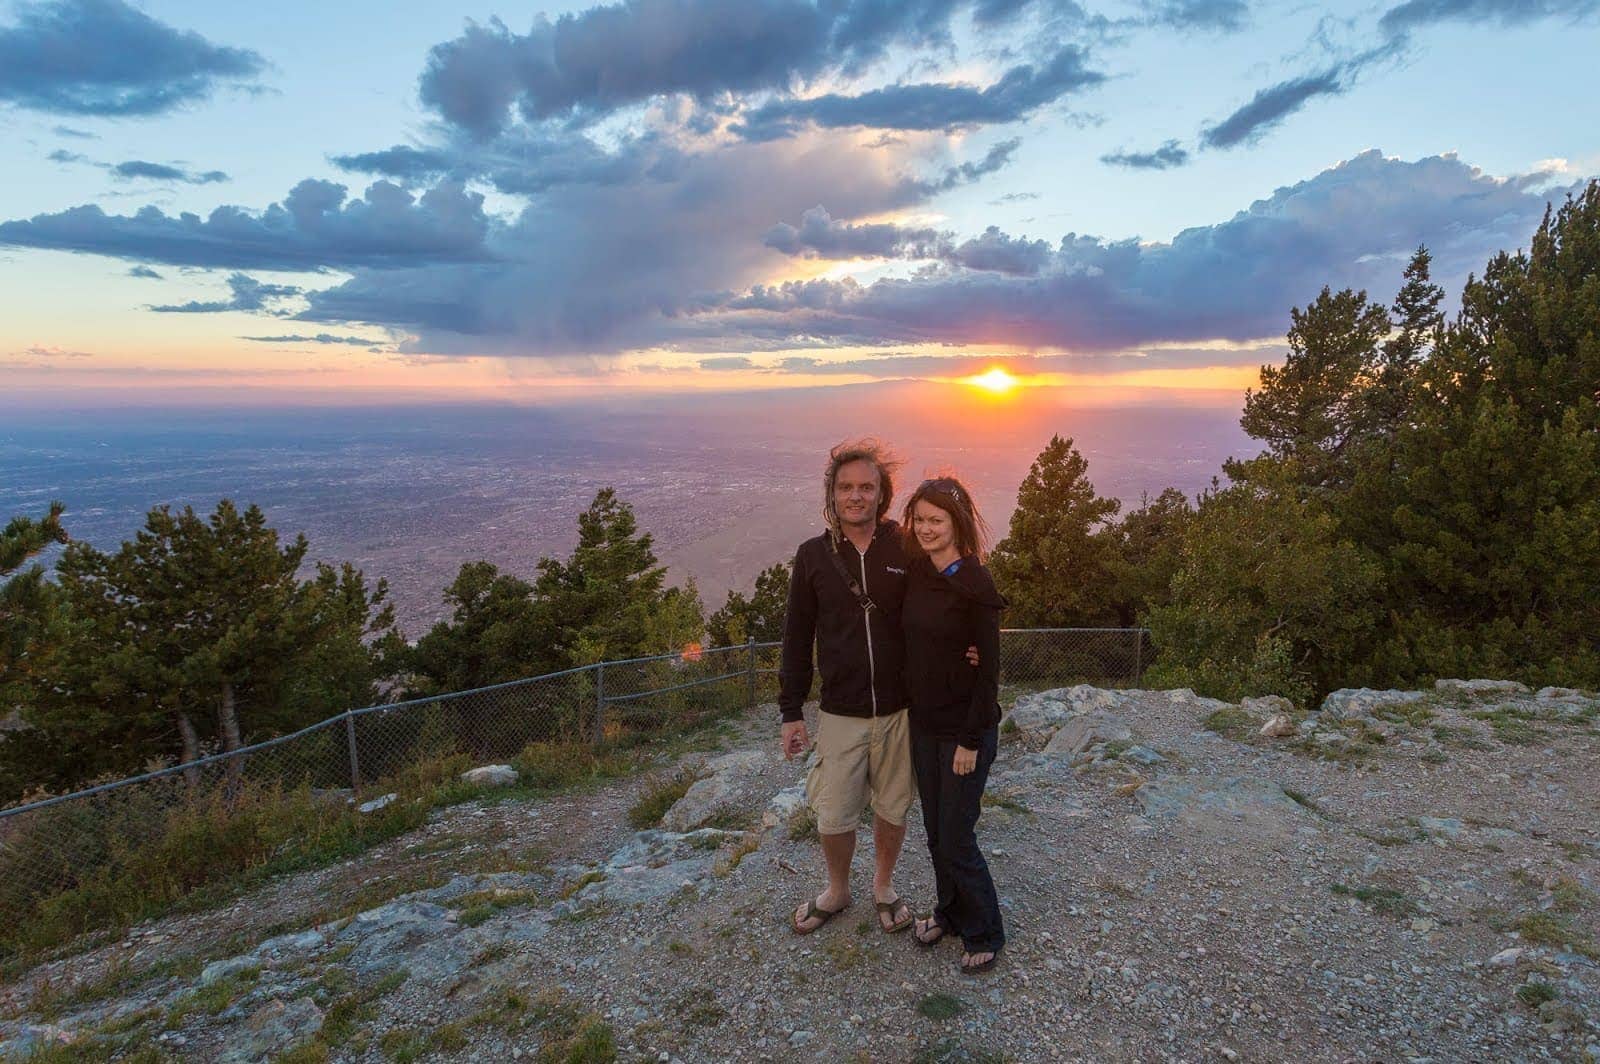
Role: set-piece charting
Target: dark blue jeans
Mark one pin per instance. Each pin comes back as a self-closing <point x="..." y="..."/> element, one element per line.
<point x="967" y="904"/>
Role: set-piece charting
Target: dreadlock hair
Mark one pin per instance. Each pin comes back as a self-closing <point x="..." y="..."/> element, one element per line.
<point x="866" y="449"/>
<point x="951" y="496"/>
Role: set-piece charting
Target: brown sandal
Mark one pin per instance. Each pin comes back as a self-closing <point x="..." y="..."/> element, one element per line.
<point x="813" y="912"/>
<point x="934" y="923"/>
<point x="891" y="907"/>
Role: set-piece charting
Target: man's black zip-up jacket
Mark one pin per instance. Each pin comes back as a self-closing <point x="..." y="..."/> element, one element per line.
<point x="942" y="616"/>
<point x="858" y="652"/>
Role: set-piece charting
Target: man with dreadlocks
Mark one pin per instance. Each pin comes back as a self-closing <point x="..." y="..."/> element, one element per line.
<point x="844" y="595"/>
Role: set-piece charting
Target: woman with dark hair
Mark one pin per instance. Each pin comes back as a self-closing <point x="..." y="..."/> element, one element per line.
<point x="950" y="604"/>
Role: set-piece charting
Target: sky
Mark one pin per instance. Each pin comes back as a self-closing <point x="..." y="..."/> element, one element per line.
<point x="306" y="202"/>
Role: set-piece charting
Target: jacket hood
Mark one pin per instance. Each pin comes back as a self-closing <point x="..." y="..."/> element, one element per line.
<point x="973" y="581"/>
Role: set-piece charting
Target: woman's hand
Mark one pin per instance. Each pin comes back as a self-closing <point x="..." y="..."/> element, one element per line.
<point x="966" y="760"/>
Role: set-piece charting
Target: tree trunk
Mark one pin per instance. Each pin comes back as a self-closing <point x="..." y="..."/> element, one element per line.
<point x="228" y="724"/>
<point x="191" y="749"/>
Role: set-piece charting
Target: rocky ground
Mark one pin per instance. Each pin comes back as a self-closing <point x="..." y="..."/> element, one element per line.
<point x="1401" y="876"/>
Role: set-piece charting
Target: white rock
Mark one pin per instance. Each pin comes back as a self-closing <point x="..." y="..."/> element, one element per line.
<point x="1349" y="702"/>
<point x="1080" y="733"/>
<point x="785" y="806"/>
<point x="491" y="775"/>
<point x="376" y="804"/>
<point x="1267" y="706"/>
<point x="1507" y="958"/>
<point x="1280" y="726"/>
<point x="1480" y="688"/>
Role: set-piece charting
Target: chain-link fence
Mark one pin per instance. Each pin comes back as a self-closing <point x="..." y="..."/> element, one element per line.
<point x="116" y="853"/>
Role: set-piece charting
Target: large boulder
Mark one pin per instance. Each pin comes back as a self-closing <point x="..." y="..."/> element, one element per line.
<point x="1482" y="688"/>
<point x="1353" y="703"/>
<point x="718" y="792"/>
<point x="1233" y="796"/>
<point x="491" y="775"/>
<point x="1040" y="714"/>
<point x="1080" y="733"/>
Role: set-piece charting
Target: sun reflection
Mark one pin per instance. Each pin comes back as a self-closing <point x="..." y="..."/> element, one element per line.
<point x="995" y="380"/>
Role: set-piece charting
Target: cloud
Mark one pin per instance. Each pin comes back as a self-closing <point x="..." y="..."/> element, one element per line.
<point x="1166" y="157"/>
<point x="726" y="362"/>
<point x="819" y="236"/>
<point x="77" y="134"/>
<point x="1401" y="20"/>
<point x="1270" y="106"/>
<point x="41" y="351"/>
<point x="584" y="66"/>
<point x="1225" y="15"/>
<point x="145" y="272"/>
<point x="1354" y="224"/>
<point x="1014" y="197"/>
<point x="401" y="162"/>
<point x="597" y="267"/>
<point x="931" y="106"/>
<point x="994" y="159"/>
<point x="137" y="168"/>
<point x="314" y="228"/>
<point x="319" y="338"/>
<point x="248" y="294"/>
<point x="104" y="57"/>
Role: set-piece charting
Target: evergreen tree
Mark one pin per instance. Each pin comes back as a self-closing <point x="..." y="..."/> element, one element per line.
<point x="494" y="634"/>
<point x="609" y="599"/>
<point x="1149" y="543"/>
<point x="1056" y="564"/>
<point x="1496" y="564"/>
<point x="27" y="602"/>
<point x="759" y="617"/>
<point x="1311" y="411"/>
<point x="1267" y="600"/>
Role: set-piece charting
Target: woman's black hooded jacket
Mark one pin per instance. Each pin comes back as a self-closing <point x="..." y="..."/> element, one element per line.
<point x="942" y="616"/>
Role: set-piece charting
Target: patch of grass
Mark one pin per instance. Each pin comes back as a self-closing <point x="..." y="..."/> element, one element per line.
<point x="732" y="820"/>
<point x="1576" y="851"/>
<point x="312" y="1052"/>
<point x="993" y="800"/>
<point x="747" y="844"/>
<point x="941" y="1006"/>
<point x="1570" y="895"/>
<point x="571" y="1036"/>
<point x="660" y="794"/>
<point x="1116" y="748"/>
<point x="403" y="1044"/>
<point x="1301" y="800"/>
<point x="1009" y="727"/>
<point x="1231" y="722"/>
<point x="1548" y="929"/>
<point x="952" y="1051"/>
<point x="450" y="1037"/>
<point x="1464" y="738"/>
<point x="546" y="767"/>
<point x="1417" y="714"/>
<point x="1433" y="757"/>
<point x="582" y="881"/>
<point x="705" y="1014"/>
<point x="1513" y="724"/>
<point x="1535" y="993"/>
<point x="342" y="1018"/>
<point x="803" y="828"/>
<point x="214" y="998"/>
<point x="479" y="906"/>
<point x="1384" y="900"/>
<point x="844" y="952"/>
<point x="679" y="948"/>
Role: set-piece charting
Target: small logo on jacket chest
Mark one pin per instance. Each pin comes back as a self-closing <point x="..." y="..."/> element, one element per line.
<point x="892" y="569"/>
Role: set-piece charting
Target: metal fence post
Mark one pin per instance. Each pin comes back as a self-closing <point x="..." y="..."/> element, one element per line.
<point x="355" y="760"/>
<point x="1138" y="654"/>
<point x="600" y="703"/>
<point x="751" y="697"/>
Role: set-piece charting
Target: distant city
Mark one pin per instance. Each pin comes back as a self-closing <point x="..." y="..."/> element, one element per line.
<point x="727" y="484"/>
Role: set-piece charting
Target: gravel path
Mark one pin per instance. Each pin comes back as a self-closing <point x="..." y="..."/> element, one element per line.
<point x="1426" y="887"/>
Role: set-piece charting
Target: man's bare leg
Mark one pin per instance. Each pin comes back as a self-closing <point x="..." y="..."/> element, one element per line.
<point x="887" y="839"/>
<point x="837" y="852"/>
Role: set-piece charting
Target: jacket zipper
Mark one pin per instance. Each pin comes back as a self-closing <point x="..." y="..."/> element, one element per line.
<point x="866" y="619"/>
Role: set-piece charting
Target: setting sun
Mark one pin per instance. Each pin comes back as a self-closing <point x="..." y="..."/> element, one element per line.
<point x="996" y="380"/>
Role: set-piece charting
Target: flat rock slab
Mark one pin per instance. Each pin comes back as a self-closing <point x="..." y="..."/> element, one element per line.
<point x="1349" y="703"/>
<point x="1080" y="733"/>
<point x="1236" y="796"/>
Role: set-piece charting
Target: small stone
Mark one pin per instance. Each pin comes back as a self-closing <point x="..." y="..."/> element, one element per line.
<point x="800" y="1038"/>
<point x="1280" y="726"/>
<point x="491" y="775"/>
<point x="1507" y="958"/>
<point x="376" y="804"/>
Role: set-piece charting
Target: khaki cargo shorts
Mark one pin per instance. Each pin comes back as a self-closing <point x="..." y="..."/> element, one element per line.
<point x="858" y="757"/>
